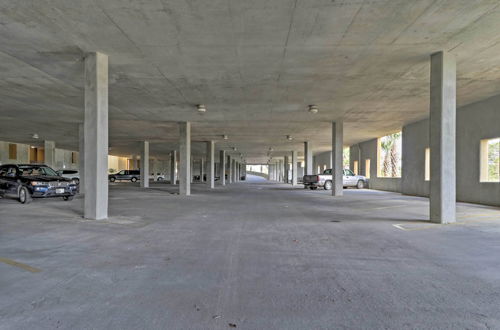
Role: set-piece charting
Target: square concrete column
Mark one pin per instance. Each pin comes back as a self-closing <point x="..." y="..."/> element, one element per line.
<point x="308" y="158"/>
<point x="81" y="157"/>
<point x="96" y="136"/>
<point x="230" y="169"/>
<point x="287" y="169"/>
<point x="442" y="130"/>
<point x="295" y="160"/>
<point x="145" y="164"/>
<point x="233" y="170"/>
<point x="173" y="167"/>
<point x="154" y="169"/>
<point x="185" y="158"/>
<point x="337" y="158"/>
<point x="222" y="167"/>
<point x="202" y="169"/>
<point x="211" y="163"/>
<point x="50" y="153"/>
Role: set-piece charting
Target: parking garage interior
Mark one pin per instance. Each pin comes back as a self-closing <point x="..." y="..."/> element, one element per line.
<point x="223" y="108"/>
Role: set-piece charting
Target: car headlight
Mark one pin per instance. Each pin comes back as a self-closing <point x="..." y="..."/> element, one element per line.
<point x="38" y="183"/>
<point x="74" y="182"/>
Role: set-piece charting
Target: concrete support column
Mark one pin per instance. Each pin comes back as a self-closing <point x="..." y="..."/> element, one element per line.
<point x="337" y="158"/>
<point x="308" y="158"/>
<point x="96" y="136"/>
<point x="287" y="170"/>
<point x="145" y="164"/>
<point x="230" y="169"/>
<point x="154" y="169"/>
<point x="185" y="158"/>
<point x="211" y="164"/>
<point x="50" y="153"/>
<point x="295" y="160"/>
<point x="442" y="128"/>
<point x="222" y="167"/>
<point x="173" y="167"/>
<point x="233" y="170"/>
<point x="81" y="157"/>
<point x="202" y="169"/>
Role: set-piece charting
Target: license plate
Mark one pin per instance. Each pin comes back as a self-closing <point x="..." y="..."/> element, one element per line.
<point x="60" y="191"/>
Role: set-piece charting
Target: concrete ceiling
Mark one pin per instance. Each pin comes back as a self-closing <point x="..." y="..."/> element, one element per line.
<point x="256" y="65"/>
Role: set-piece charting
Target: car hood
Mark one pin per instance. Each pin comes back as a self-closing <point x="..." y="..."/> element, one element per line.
<point x="46" y="178"/>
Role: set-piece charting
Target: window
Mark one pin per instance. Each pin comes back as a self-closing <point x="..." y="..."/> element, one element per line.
<point x="348" y="172"/>
<point x="319" y="169"/>
<point x="367" y="168"/>
<point x="12" y="151"/>
<point x="490" y="160"/>
<point x="389" y="156"/>
<point x="427" y="164"/>
<point x="355" y="165"/>
<point x="346" y="154"/>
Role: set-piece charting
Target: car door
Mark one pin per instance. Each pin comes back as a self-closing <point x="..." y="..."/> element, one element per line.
<point x="9" y="180"/>
<point x="349" y="178"/>
<point x="3" y="179"/>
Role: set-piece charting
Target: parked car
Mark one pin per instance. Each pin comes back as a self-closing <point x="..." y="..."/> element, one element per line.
<point x="125" y="175"/>
<point x="159" y="177"/>
<point x="27" y="181"/>
<point x="325" y="180"/>
<point x="70" y="174"/>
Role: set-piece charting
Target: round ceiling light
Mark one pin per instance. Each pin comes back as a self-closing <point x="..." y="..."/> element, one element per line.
<point x="225" y="137"/>
<point x="201" y="108"/>
<point x="34" y="136"/>
<point x="289" y="137"/>
<point x="313" y="108"/>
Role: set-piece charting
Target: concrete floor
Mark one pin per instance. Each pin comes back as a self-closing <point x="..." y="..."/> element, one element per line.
<point x="255" y="255"/>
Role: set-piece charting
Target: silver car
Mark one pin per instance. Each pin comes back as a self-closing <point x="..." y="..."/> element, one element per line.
<point x="325" y="180"/>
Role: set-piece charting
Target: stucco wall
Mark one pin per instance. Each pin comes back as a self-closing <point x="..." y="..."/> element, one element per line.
<point x="475" y="122"/>
<point x="368" y="150"/>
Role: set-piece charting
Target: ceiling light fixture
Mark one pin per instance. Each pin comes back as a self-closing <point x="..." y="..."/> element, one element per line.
<point x="313" y="108"/>
<point x="289" y="137"/>
<point x="271" y="149"/>
<point x="35" y="136"/>
<point x="234" y="148"/>
<point x="201" y="108"/>
<point x="225" y="137"/>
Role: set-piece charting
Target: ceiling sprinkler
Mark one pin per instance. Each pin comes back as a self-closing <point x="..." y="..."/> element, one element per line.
<point x="201" y="108"/>
<point x="313" y="109"/>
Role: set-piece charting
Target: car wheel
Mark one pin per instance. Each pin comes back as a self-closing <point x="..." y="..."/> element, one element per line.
<point x="160" y="179"/>
<point x="360" y="184"/>
<point x="328" y="185"/>
<point x="24" y="196"/>
<point x="68" y="198"/>
<point x="112" y="179"/>
<point x="133" y="179"/>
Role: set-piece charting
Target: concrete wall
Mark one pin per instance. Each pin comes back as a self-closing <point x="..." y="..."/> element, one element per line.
<point x="475" y="122"/>
<point x="323" y="159"/>
<point x="368" y="150"/>
<point x="22" y="153"/>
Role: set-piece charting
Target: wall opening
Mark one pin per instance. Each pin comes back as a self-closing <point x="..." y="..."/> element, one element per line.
<point x="355" y="167"/>
<point x="389" y="156"/>
<point x="12" y="151"/>
<point x="490" y="160"/>
<point x="367" y="168"/>
<point x="346" y="157"/>
<point x="427" y="175"/>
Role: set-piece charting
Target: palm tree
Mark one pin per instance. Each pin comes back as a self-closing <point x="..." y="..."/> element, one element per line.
<point x="388" y="144"/>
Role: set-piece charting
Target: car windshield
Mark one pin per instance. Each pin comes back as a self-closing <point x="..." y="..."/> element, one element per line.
<point x="37" y="170"/>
